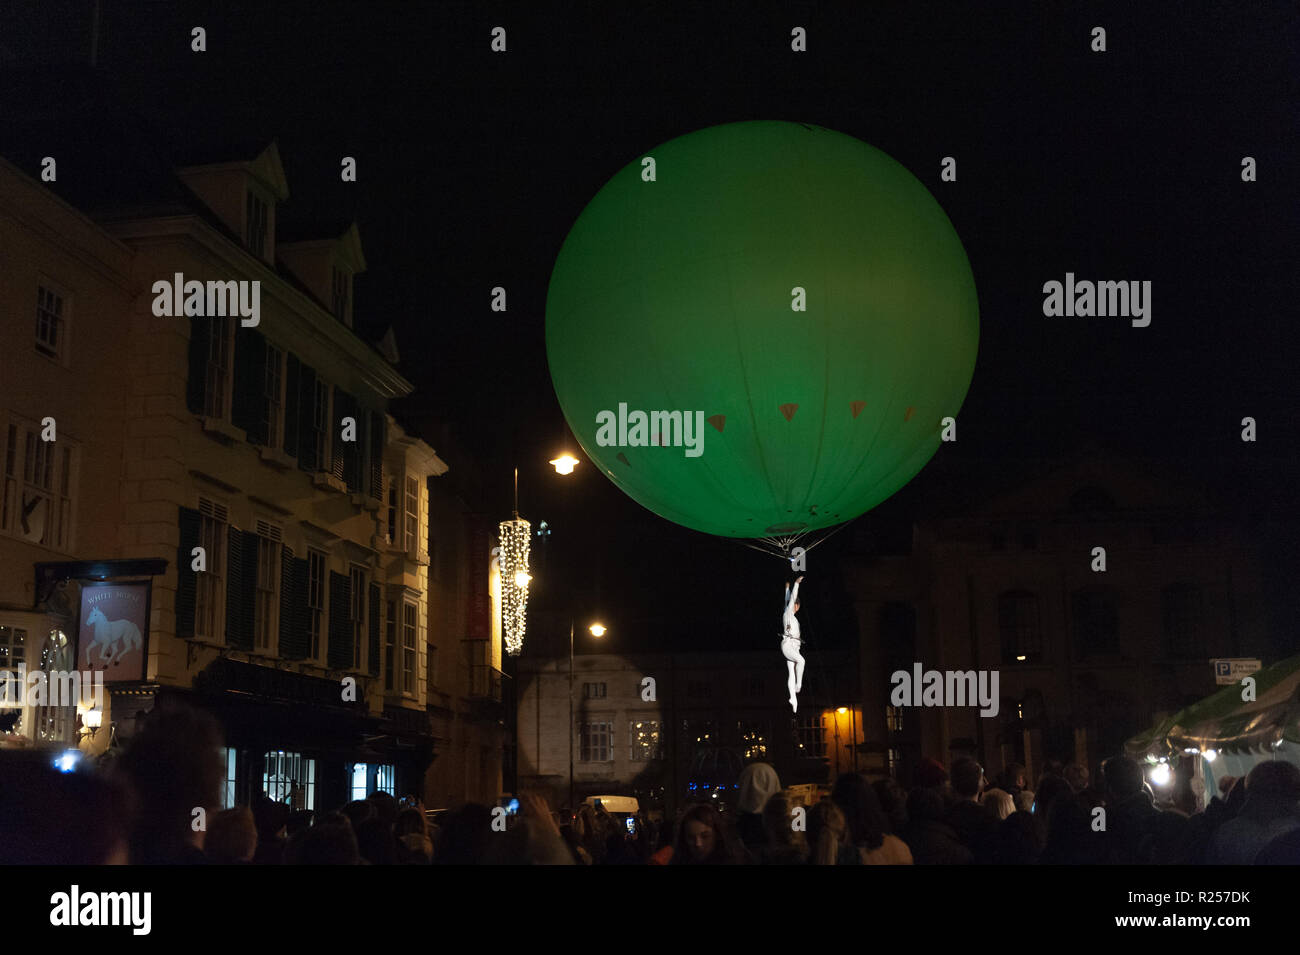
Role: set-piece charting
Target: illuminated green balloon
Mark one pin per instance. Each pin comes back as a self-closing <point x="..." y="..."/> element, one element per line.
<point x="682" y="293"/>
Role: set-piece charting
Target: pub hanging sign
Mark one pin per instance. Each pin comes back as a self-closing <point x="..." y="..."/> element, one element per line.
<point x="114" y="633"/>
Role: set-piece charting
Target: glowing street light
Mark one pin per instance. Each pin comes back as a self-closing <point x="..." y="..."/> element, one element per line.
<point x="597" y="630"/>
<point x="565" y="463"/>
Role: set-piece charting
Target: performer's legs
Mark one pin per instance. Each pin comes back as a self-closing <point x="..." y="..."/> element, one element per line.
<point x="791" y="684"/>
<point x="798" y="672"/>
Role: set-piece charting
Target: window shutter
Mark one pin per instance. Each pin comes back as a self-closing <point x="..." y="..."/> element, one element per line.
<point x="341" y="450"/>
<point x="241" y="589"/>
<point x="292" y="402"/>
<point x="197" y="383"/>
<point x="293" y="607"/>
<point x="374" y="629"/>
<point x="186" y="579"/>
<point x="306" y="426"/>
<point x="339" y="655"/>
<point x="377" y="425"/>
<point x="352" y="452"/>
<point x="247" y="403"/>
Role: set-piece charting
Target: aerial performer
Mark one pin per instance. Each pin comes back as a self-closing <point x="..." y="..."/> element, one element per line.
<point x="791" y="642"/>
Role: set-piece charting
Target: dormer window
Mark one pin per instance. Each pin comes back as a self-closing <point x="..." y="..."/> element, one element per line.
<point x="255" y="220"/>
<point x="342" y="286"/>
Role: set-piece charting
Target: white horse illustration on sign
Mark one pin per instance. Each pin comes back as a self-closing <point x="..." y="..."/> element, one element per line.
<point x="108" y="634"/>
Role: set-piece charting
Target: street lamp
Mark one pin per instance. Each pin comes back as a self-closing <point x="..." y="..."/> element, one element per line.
<point x="565" y="463"/>
<point x="596" y="631"/>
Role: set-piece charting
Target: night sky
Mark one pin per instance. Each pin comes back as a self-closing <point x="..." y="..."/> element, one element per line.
<point x="473" y="166"/>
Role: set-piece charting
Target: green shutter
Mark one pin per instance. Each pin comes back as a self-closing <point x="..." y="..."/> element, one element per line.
<point x="248" y="401"/>
<point x="374" y="629"/>
<point x="294" y="636"/>
<point x="306" y="428"/>
<point x="241" y="589"/>
<point x="339" y="654"/>
<point x="292" y="402"/>
<point x="186" y="578"/>
<point x="197" y="383"/>
<point x="352" y="452"/>
<point x="339" y="450"/>
<point x="377" y="455"/>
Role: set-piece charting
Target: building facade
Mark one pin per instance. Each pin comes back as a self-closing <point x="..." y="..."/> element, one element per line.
<point x="225" y="486"/>
<point x="676" y="728"/>
<point x="1099" y="592"/>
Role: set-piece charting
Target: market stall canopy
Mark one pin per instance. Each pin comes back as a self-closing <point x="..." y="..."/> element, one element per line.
<point x="1224" y="723"/>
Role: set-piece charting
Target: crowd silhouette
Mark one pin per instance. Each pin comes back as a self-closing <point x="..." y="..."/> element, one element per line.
<point x="142" y="809"/>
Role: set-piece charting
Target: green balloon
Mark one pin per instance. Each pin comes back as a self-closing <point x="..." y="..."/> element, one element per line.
<point x="679" y="293"/>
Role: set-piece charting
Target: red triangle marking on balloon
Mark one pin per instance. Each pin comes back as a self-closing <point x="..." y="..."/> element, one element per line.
<point x="719" y="421"/>
<point x="624" y="459"/>
<point x="857" y="407"/>
<point x="788" y="410"/>
<point x="908" y="415"/>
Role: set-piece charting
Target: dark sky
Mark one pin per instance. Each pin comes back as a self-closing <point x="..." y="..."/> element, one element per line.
<point x="474" y="165"/>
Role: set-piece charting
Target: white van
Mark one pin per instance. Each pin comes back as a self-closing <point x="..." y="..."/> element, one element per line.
<point x="616" y="805"/>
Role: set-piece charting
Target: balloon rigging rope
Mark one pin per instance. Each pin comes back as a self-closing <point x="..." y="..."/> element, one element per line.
<point x="780" y="546"/>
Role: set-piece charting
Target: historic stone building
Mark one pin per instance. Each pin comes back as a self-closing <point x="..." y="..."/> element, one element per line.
<point x="1012" y="581"/>
<point x="216" y="505"/>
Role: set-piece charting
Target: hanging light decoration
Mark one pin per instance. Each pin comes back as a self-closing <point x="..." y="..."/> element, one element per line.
<point x="515" y="535"/>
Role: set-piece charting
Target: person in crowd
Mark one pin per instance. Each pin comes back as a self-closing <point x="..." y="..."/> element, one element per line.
<point x="930" y="774"/>
<point x="1013" y="779"/>
<point x="998" y="802"/>
<point x="300" y="820"/>
<point x="53" y="818"/>
<point x="1024" y="800"/>
<point x="1284" y="850"/>
<point x="1271" y="809"/>
<point x="533" y="839"/>
<point x="827" y="836"/>
<point x="1076" y="776"/>
<point x="271" y="819"/>
<point x="1050" y="788"/>
<point x="385" y="806"/>
<point x="974" y="824"/>
<point x="411" y="833"/>
<point x="929" y="837"/>
<point x="893" y="803"/>
<point x="1221" y="808"/>
<point x="463" y="836"/>
<point x="1020" y="840"/>
<point x="232" y="837"/>
<point x="330" y="841"/>
<point x="782" y="845"/>
<point x="174" y="768"/>
<point x="1130" y="813"/>
<point x="358" y="811"/>
<point x="376" y="843"/>
<point x="757" y="784"/>
<point x="703" y="838"/>
<point x="867" y="824"/>
<point x="594" y="831"/>
<point x="1071" y="839"/>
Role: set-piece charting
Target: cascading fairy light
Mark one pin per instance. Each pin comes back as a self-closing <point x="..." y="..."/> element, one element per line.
<point x="515" y="536"/>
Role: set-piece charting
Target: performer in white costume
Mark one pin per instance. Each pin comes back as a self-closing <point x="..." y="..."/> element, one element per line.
<point x="791" y="642"/>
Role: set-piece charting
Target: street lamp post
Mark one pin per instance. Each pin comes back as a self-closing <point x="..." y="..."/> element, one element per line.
<point x="597" y="630"/>
<point x="571" y="807"/>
